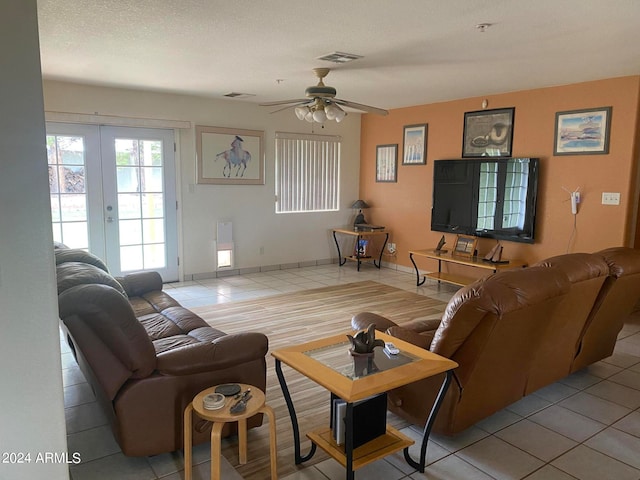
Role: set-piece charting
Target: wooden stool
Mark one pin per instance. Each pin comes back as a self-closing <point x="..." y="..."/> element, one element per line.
<point x="256" y="404"/>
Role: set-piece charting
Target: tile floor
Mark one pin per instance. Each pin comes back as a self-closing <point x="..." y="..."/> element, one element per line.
<point x="585" y="427"/>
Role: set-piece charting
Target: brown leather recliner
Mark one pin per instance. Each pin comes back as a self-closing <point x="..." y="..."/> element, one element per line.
<point x="146" y="356"/>
<point x="492" y="329"/>
<point x="587" y="274"/>
<point x="619" y="295"/>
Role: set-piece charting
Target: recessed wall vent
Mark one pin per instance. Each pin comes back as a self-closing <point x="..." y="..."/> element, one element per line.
<point x="339" y="57"/>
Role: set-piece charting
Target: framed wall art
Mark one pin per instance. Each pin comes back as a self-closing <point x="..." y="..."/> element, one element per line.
<point x="488" y="133"/>
<point x="582" y="132"/>
<point x="229" y="156"/>
<point x="414" y="148"/>
<point x="387" y="163"/>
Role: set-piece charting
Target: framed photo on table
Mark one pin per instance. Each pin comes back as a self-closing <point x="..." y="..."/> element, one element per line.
<point x="582" y="132"/>
<point x="229" y="156"/>
<point x="465" y="246"/>
<point x="414" y="148"/>
<point x="488" y="133"/>
<point x="387" y="163"/>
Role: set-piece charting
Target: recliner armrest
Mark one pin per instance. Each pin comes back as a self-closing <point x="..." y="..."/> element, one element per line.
<point x="223" y="352"/>
<point x="422" y="340"/>
<point x="138" y="283"/>
<point x="361" y="321"/>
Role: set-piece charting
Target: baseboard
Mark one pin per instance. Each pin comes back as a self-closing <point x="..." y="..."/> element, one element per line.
<point x="263" y="268"/>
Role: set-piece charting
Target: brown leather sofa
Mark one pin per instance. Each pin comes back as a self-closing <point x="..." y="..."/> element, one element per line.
<point x="516" y="331"/>
<point x="146" y="356"/>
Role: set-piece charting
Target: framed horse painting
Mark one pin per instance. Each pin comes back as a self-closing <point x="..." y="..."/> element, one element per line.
<point x="229" y="156"/>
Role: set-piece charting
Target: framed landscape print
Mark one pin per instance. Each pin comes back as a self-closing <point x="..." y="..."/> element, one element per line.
<point x="229" y="156"/>
<point x="414" y="148"/>
<point x="387" y="163"/>
<point x="488" y="133"/>
<point x="582" y="132"/>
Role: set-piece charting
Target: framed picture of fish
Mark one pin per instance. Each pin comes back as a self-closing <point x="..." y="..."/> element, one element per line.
<point x="582" y="132"/>
<point x="229" y="156"/>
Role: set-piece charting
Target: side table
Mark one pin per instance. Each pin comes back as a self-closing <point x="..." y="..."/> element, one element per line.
<point x="359" y="256"/>
<point x="221" y="416"/>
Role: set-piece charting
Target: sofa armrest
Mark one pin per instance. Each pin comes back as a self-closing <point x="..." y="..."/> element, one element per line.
<point x="361" y="321"/>
<point x="138" y="283"/>
<point x="422" y="340"/>
<point x="223" y="352"/>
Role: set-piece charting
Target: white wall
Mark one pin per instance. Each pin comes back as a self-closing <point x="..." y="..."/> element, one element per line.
<point x="284" y="239"/>
<point x="32" y="412"/>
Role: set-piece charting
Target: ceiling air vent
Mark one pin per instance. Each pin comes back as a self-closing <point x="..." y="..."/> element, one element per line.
<point x="339" y="57"/>
<point x="239" y="95"/>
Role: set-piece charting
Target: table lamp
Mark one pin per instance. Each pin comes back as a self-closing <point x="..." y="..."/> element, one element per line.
<point x="359" y="204"/>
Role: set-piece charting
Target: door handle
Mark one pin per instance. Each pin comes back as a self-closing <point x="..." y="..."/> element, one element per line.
<point x="109" y="218"/>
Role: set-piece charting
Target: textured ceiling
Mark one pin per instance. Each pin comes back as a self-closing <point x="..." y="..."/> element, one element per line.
<point x="415" y="51"/>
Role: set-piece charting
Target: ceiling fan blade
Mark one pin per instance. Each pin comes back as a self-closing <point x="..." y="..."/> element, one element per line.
<point x="284" y="102"/>
<point x="290" y="106"/>
<point x="360" y="106"/>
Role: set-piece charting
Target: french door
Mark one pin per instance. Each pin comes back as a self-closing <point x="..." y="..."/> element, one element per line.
<point x="113" y="193"/>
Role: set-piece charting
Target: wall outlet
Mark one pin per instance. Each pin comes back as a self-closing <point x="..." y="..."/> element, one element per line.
<point x="610" y="198"/>
<point x="391" y="248"/>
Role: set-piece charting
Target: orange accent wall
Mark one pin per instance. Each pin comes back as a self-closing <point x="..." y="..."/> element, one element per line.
<point x="405" y="207"/>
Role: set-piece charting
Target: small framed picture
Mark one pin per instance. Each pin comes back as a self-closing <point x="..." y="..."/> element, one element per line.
<point x="465" y="245"/>
<point x="387" y="163"/>
<point x="488" y="133"/>
<point x="415" y="145"/>
<point x="582" y="132"/>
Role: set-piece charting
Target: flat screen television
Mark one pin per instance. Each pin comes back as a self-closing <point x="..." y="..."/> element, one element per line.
<point x="486" y="197"/>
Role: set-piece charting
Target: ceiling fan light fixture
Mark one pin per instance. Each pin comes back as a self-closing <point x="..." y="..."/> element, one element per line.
<point x="319" y="116"/>
<point x="301" y="112"/>
<point x="340" y="116"/>
<point x="309" y="116"/>
<point x="332" y="111"/>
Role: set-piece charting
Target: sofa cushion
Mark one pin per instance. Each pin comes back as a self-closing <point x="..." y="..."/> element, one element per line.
<point x="64" y="255"/>
<point x="71" y="274"/>
<point x="108" y="314"/>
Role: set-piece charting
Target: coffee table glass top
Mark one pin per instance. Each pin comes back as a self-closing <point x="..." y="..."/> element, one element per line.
<point x="327" y="362"/>
<point x="338" y="358"/>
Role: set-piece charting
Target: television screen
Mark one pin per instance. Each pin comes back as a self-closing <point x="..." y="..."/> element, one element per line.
<point x="486" y="197"/>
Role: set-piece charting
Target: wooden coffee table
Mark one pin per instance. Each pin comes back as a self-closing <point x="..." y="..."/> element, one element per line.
<point x="328" y="363"/>
<point x="221" y="416"/>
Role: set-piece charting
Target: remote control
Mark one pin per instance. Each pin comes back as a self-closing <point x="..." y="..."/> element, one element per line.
<point x="391" y="348"/>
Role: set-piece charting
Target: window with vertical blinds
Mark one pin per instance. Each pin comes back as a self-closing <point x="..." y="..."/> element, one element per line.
<point x="307" y="173"/>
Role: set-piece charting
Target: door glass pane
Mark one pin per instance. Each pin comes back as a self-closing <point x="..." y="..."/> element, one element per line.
<point x="153" y="205"/>
<point x="140" y="189"/>
<point x="67" y="184"/>
<point x="130" y="232"/>
<point x="153" y="230"/>
<point x="74" y="234"/>
<point x="152" y="179"/>
<point x="131" y="258"/>
<point x="73" y="208"/>
<point x="128" y="180"/>
<point x="154" y="256"/>
<point x="127" y="152"/>
<point x="129" y="205"/>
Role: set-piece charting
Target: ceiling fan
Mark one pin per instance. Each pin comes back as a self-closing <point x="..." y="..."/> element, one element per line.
<point x="321" y="103"/>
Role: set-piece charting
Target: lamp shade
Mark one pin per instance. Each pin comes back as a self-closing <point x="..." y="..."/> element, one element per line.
<point x="359" y="204"/>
